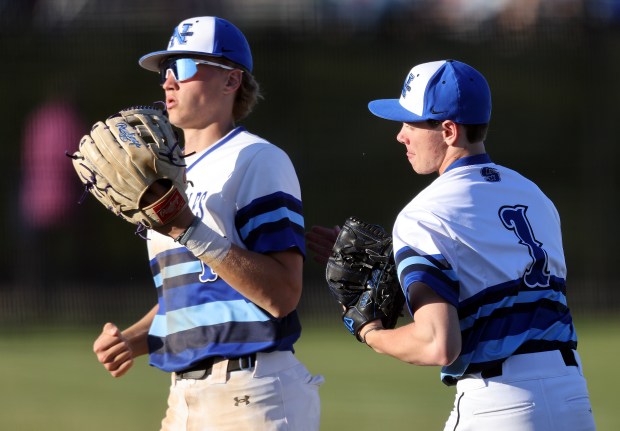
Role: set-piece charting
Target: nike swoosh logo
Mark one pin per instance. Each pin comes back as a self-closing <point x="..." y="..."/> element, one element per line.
<point x="435" y="112"/>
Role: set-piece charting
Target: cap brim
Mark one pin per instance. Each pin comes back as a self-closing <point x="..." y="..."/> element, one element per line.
<point x="391" y="109"/>
<point x="151" y="61"/>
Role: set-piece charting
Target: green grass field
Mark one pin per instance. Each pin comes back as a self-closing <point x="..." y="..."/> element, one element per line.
<point x="51" y="381"/>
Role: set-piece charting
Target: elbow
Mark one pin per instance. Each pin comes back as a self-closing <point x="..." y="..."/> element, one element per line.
<point x="446" y="359"/>
<point x="442" y="353"/>
<point x="281" y="312"/>
<point x="448" y="353"/>
<point x="282" y="307"/>
<point x="285" y="294"/>
<point x="448" y="347"/>
<point x="432" y="355"/>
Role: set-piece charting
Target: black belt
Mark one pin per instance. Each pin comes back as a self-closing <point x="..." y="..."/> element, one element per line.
<point x="204" y="368"/>
<point x="496" y="370"/>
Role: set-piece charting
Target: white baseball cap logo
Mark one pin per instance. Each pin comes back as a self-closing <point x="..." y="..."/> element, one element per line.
<point x="203" y="36"/>
<point x="413" y="96"/>
<point x="181" y="33"/>
<point x="439" y="90"/>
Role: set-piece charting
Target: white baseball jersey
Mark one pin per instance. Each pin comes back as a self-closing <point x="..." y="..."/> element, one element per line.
<point x="489" y="242"/>
<point x="247" y="190"/>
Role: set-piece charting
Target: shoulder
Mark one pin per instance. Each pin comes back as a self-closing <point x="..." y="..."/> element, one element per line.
<point x="258" y="146"/>
<point x="264" y="155"/>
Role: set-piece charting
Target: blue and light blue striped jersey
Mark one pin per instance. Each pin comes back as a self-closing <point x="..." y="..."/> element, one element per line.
<point x="489" y="242"/>
<point x="246" y="189"/>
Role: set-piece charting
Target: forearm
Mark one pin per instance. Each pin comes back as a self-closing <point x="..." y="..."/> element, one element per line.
<point x="404" y="343"/>
<point x="271" y="281"/>
<point x="137" y="334"/>
<point x="433" y="338"/>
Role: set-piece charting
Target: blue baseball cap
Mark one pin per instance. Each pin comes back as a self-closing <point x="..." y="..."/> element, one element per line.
<point x="204" y="36"/>
<point x="439" y="90"/>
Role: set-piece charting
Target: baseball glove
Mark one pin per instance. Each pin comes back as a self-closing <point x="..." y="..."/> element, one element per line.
<point x="123" y="156"/>
<point x="362" y="276"/>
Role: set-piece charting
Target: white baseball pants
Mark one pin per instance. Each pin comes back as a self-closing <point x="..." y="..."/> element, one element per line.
<point x="278" y="394"/>
<point x="536" y="392"/>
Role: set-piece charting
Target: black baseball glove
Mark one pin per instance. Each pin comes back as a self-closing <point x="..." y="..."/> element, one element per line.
<point x="361" y="275"/>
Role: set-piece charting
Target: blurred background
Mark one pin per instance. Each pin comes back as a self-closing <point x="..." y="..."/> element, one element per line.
<point x="553" y="66"/>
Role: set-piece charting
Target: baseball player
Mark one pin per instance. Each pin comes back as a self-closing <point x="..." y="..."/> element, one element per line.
<point x="480" y="260"/>
<point x="228" y="268"/>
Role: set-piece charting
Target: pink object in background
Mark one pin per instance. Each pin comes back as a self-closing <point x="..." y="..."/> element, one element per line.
<point x="49" y="187"/>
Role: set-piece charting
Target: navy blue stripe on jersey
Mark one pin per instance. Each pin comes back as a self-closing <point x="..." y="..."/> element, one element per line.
<point x="194" y="301"/>
<point x="177" y="261"/>
<point x="228" y="339"/>
<point x="477" y="159"/>
<point x="202" y="315"/>
<point x="512" y="318"/>
<point x="186" y="291"/>
<point x="495" y="294"/>
<point x="272" y="223"/>
<point x="183" y="282"/>
<point x="432" y="270"/>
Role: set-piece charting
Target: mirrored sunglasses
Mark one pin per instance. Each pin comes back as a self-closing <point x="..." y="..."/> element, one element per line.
<point x="183" y="69"/>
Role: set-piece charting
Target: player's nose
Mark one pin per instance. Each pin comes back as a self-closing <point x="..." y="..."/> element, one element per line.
<point x="170" y="81"/>
<point x="400" y="137"/>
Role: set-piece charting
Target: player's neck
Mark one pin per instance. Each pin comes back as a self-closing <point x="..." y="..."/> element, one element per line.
<point x="197" y="140"/>
<point x="455" y="153"/>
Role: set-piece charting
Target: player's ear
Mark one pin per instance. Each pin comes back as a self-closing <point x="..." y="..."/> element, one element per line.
<point x="234" y="79"/>
<point x="450" y="131"/>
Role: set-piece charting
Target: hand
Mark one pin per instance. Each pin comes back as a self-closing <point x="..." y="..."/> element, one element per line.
<point x="361" y="275"/>
<point x="375" y="325"/>
<point x="123" y="156"/>
<point x="155" y="192"/>
<point x="180" y="223"/>
<point x="113" y="350"/>
<point x="321" y="240"/>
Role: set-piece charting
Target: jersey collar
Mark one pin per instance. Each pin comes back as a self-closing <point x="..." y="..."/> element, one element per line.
<point x="212" y="148"/>
<point x="478" y="159"/>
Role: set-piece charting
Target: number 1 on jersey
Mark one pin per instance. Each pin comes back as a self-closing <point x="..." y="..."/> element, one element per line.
<point x="515" y="219"/>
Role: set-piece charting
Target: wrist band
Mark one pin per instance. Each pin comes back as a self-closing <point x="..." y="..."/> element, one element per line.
<point x="182" y="239"/>
<point x="376" y="328"/>
<point x="204" y="242"/>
